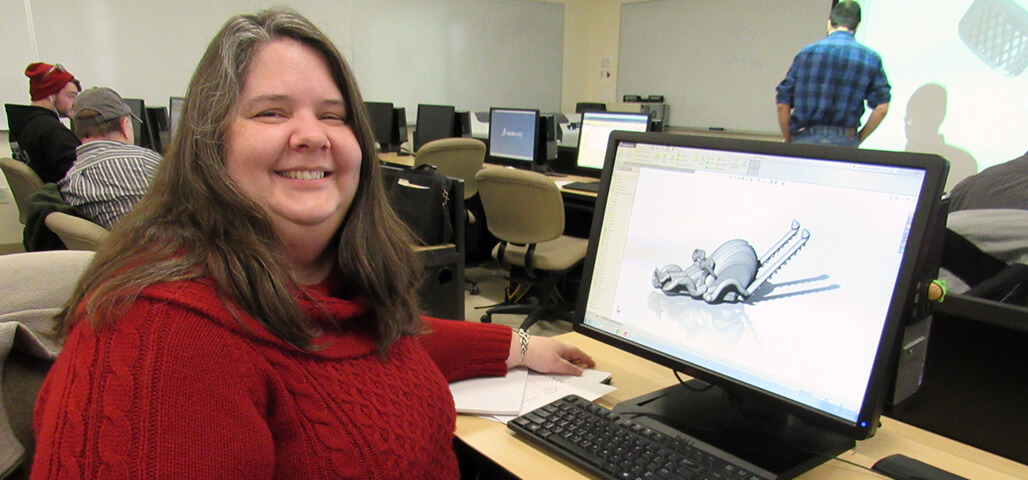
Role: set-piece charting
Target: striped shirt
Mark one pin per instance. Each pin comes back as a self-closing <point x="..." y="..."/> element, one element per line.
<point x="830" y="80"/>
<point x="108" y="178"/>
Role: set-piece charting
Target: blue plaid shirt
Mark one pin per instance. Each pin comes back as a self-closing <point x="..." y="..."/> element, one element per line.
<point x="829" y="81"/>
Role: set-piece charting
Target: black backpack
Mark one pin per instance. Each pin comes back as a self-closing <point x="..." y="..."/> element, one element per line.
<point x="421" y="197"/>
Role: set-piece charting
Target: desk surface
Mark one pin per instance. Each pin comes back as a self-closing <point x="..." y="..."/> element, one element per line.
<point x="635" y="376"/>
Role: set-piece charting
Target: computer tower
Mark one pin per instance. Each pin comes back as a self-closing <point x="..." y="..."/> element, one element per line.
<point x="658" y="113"/>
<point x="913" y="347"/>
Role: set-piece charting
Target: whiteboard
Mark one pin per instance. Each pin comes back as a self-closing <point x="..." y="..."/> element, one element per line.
<point x="472" y="54"/>
<point x="717" y="63"/>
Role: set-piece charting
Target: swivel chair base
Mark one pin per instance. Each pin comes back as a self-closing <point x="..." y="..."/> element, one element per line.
<point x="535" y="313"/>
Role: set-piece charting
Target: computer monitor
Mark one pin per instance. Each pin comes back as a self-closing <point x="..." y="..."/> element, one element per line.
<point x="434" y="122"/>
<point x="174" y="113"/>
<point x="139" y="126"/>
<point x="381" y="116"/>
<point x="594" y="132"/>
<point x="777" y="275"/>
<point x="157" y="127"/>
<point x="514" y="137"/>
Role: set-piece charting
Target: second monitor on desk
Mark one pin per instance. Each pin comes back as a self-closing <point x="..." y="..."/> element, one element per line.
<point x="522" y="138"/>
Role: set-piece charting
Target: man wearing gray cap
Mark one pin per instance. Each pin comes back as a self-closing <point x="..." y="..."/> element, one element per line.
<point x="110" y="174"/>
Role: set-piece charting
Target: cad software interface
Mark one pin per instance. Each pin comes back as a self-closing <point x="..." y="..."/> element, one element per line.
<point x="512" y="134"/>
<point x="774" y="271"/>
<point x="595" y="131"/>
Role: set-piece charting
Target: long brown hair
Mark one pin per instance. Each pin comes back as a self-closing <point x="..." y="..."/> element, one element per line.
<point x="195" y="223"/>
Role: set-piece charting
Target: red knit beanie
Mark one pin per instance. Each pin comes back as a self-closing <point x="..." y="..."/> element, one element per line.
<point x="46" y="79"/>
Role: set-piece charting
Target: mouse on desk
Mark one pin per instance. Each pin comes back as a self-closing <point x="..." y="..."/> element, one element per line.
<point x="902" y="467"/>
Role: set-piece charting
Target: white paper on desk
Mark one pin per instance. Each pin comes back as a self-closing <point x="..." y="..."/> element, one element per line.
<point x="491" y="395"/>
<point x="541" y="389"/>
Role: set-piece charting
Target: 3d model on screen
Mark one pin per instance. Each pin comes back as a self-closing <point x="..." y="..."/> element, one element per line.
<point x="733" y="272"/>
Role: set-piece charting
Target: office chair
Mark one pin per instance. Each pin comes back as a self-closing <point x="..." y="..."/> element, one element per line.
<point x="525" y="211"/>
<point x="456" y="158"/>
<point x="75" y="232"/>
<point x="36" y="285"/>
<point x="582" y="107"/>
<point x="23" y="181"/>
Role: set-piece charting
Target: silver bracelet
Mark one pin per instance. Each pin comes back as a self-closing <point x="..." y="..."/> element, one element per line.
<point x="524" y="345"/>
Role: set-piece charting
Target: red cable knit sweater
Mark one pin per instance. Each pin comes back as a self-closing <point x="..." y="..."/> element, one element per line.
<point x="177" y="388"/>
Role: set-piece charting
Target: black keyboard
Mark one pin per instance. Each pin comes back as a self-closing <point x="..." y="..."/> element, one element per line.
<point x="584" y="186"/>
<point x="615" y="447"/>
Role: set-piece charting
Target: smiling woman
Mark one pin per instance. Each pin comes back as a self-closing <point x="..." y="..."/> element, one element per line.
<point x="290" y="149"/>
<point x="258" y="306"/>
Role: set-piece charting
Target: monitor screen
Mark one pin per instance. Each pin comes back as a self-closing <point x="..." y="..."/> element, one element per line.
<point x="512" y="135"/>
<point x="381" y="116"/>
<point x="174" y="112"/>
<point x="595" y="130"/>
<point x="434" y="122"/>
<point x="777" y="273"/>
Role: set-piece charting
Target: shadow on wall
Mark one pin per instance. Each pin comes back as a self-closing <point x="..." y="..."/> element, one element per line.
<point x="926" y="110"/>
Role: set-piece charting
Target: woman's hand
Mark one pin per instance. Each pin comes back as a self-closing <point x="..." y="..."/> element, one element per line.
<point x="546" y="355"/>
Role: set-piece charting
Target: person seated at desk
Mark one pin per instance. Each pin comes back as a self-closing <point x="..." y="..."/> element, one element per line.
<point x="999" y="186"/>
<point x="255" y="316"/>
<point x="110" y="174"/>
<point x="38" y="138"/>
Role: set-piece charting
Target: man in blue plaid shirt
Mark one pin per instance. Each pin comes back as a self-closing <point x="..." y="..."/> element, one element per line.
<point x="821" y="99"/>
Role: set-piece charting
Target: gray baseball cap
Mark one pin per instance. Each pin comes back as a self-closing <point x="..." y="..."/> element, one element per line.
<point x="106" y="104"/>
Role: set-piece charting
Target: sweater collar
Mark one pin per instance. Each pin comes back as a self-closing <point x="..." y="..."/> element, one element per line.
<point x="334" y="315"/>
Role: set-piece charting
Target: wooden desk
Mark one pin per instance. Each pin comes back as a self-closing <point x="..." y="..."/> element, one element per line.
<point x="635" y="376"/>
<point x="396" y="158"/>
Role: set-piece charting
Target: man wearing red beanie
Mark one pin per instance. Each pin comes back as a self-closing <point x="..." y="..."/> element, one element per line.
<point x="38" y="137"/>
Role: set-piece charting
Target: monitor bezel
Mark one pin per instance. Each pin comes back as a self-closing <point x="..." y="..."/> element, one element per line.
<point x="510" y="161"/>
<point x="882" y="371"/>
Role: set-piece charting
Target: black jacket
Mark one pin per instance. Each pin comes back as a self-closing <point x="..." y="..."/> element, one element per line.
<point x="39" y="139"/>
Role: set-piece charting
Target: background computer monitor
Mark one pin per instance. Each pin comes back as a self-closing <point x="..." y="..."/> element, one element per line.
<point x="157" y="128"/>
<point x="174" y="112"/>
<point x="686" y="234"/>
<point x="434" y="122"/>
<point x="593" y="134"/>
<point x="381" y="116"/>
<point x="514" y="136"/>
<point x="139" y="126"/>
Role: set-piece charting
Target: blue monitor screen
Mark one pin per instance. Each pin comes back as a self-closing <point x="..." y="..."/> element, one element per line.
<point x="512" y="134"/>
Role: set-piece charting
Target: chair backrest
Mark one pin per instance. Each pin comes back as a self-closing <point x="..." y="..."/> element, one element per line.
<point x="35" y="287"/>
<point x="23" y="181"/>
<point x="521" y="207"/>
<point x="456" y="158"/>
<point x="76" y="233"/>
<point x="582" y="107"/>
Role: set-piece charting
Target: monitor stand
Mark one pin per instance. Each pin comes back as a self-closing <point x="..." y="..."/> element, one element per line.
<point x="781" y="444"/>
